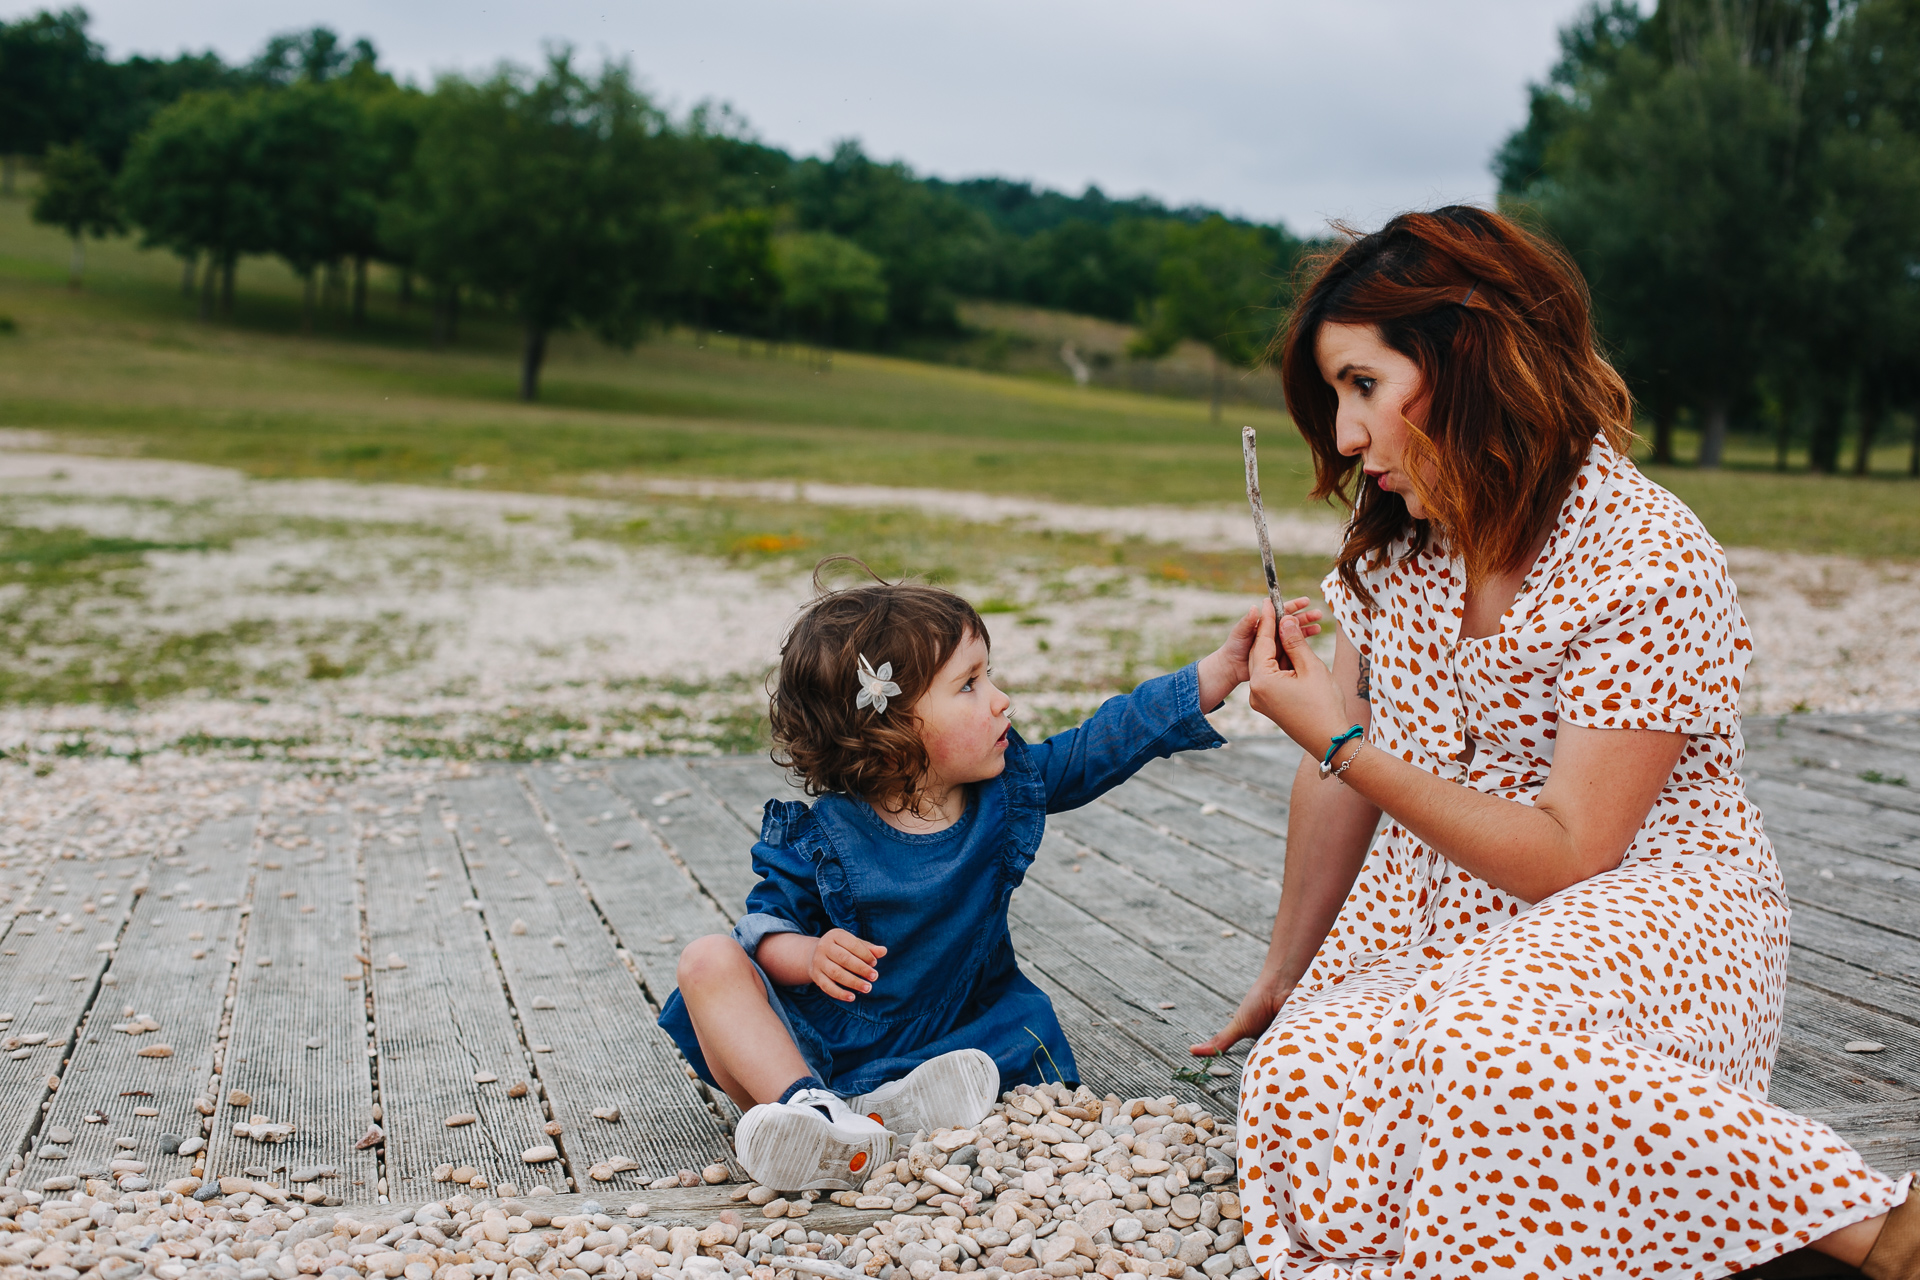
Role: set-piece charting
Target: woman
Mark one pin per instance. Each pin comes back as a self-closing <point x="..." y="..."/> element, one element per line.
<point x="1526" y="1028"/>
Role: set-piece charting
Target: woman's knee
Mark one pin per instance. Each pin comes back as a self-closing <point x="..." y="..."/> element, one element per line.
<point x="712" y="961"/>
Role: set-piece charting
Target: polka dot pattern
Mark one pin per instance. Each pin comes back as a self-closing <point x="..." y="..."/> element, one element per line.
<point x="1465" y="1083"/>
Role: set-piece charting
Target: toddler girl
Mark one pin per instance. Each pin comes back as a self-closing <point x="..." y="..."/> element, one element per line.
<point x="871" y="987"/>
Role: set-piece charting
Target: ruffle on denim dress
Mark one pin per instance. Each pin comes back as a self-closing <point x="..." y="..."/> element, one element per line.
<point x="938" y="903"/>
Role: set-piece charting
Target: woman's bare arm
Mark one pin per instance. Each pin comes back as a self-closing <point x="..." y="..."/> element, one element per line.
<point x="1597" y="796"/>
<point x="1328" y="831"/>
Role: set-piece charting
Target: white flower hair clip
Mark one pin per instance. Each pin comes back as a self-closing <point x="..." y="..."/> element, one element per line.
<point x="875" y="686"/>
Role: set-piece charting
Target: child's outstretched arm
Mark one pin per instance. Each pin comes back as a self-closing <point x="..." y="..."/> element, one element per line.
<point x="1161" y="716"/>
<point x="836" y="962"/>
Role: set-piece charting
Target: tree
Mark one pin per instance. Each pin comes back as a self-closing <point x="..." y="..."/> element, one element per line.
<point x="1218" y="285"/>
<point x="551" y="194"/>
<point x="314" y="160"/>
<point x="1668" y="154"/>
<point x="834" y="290"/>
<point x="736" y="282"/>
<point x="932" y="248"/>
<point x="48" y="71"/>
<point x="76" y="195"/>
<point x="193" y="183"/>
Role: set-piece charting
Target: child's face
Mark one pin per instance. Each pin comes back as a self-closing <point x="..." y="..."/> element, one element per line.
<point x="963" y="720"/>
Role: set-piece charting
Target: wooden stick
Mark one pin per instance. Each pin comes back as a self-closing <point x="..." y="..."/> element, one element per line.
<point x="1260" y="527"/>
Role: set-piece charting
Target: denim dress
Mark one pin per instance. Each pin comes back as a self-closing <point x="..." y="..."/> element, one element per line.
<point x="938" y="903"/>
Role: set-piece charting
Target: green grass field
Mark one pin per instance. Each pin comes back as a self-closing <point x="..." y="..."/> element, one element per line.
<point x="124" y="361"/>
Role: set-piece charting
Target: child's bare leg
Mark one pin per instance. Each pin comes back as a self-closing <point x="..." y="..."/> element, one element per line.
<point x="745" y="1043"/>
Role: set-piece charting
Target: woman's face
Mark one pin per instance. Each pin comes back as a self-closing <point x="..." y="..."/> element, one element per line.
<point x="1375" y="385"/>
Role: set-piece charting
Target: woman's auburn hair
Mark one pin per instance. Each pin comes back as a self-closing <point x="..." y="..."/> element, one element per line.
<point x="828" y="743"/>
<point x="1512" y="382"/>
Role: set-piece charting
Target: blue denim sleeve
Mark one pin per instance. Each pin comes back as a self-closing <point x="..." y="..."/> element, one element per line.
<point x="1160" y="717"/>
<point x="787" y="899"/>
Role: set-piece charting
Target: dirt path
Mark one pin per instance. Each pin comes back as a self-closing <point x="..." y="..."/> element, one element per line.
<point x="160" y="605"/>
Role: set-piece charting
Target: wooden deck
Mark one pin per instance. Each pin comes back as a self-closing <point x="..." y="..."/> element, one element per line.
<point x="522" y="924"/>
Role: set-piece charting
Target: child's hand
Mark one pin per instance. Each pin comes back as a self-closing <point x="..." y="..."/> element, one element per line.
<point x="840" y="961"/>
<point x="1226" y="668"/>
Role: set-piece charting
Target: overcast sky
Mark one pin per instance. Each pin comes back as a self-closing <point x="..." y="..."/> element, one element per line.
<point x="1296" y="110"/>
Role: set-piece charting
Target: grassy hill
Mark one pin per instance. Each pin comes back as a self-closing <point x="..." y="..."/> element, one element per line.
<point x="125" y="360"/>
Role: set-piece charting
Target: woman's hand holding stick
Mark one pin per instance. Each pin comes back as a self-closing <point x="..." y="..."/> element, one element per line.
<point x="1260" y="526"/>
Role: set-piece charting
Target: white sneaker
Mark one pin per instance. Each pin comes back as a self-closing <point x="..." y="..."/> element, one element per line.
<point x="812" y="1141"/>
<point x="951" y="1091"/>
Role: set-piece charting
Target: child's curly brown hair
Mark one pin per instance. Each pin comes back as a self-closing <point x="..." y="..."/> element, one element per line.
<point x="830" y="744"/>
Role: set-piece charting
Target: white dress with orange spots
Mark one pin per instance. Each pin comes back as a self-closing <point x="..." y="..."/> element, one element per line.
<point x="1464" y="1083"/>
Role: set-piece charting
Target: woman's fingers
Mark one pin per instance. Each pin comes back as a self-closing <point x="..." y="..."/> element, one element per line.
<point x="1293" y="638"/>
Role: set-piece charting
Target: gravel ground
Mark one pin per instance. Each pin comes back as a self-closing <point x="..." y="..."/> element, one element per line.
<point x="1054" y="1182"/>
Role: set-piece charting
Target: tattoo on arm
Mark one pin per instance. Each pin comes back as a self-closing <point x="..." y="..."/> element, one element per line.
<point x="1363" y="688"/>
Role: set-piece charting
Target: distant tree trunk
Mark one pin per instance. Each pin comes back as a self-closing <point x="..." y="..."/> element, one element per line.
<point x="1663" y="433"/>
<point x="189" y="261"/>
<point x="1219" y="378"/>
<point x="306" y="301"/>
<point x="77" y="263"/>
<point x="1874" y="408"/>
<point x="440" y="309"/>
<point x="359" y="289"/>
<point x="1829" y="422"/>
<point x="532" y="355"/>
<point x="453" y="314"/>
<point x="208" y="279"/>
<point x="1713" y="437"/>
<point x="226" y="285"/>
<point x="330" y="297"/>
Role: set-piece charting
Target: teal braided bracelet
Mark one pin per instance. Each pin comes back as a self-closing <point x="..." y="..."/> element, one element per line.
<point x="1333" y="748"/>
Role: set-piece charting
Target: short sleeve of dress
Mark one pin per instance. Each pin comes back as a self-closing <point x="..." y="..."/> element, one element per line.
<point x="1666" y="650"/>
<point x="1350" y="612"/>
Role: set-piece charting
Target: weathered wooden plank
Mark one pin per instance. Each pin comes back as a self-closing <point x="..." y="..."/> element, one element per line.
<point x="1814" y="1071"/>
<point x="582" y="1012"/>
<point x="1113" y="1061"/>
<point x="1856" y="941"/>
<point x="1263" y="764"/>
<point x="1201" y="878"/>
<point x="1830" y="763"/>
<point x="711" y="841"/>
<point x="1204" y="824"/>
<point x="1113" y="975"/>
<point x="301" y="936"/>
<point x="1179" y="934"/>
<point x="441" y="1019"/>
<point x="50" y="969"/>
<point x="155" y="971"/>
<point x="1819" y="818"/>
<point x="1257" y="809"/>
<point x="649" y="899"/>
<point x="1886" y="1135"/>
<point x="1860" y="893"/>
<point x="1847" y="981"/>
<point x="1824" y="1021"/>
<point x="1895" y="732"/>
<point x="744" y="784"/>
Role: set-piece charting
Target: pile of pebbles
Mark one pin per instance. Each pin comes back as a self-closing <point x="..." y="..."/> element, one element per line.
<point x="1056" y="1182"/>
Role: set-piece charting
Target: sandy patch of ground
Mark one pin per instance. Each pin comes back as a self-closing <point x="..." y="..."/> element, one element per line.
<point x="341" y="622"/>
<point x="1226" y="528"/>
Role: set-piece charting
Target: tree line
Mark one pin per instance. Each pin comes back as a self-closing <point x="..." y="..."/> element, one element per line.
<point x="1740" y="181"/>
<point x="565" y="196"/>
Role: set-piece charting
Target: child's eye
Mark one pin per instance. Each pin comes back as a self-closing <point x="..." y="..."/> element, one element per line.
<point x="968" y="686"/>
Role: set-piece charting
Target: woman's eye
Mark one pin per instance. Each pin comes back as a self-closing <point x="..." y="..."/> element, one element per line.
<point x="1365" y="385"/>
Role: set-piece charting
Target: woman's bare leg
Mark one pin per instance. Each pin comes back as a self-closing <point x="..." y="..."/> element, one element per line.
<point x="1851" y="1243"/>
<point x="745" y="1043"/>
